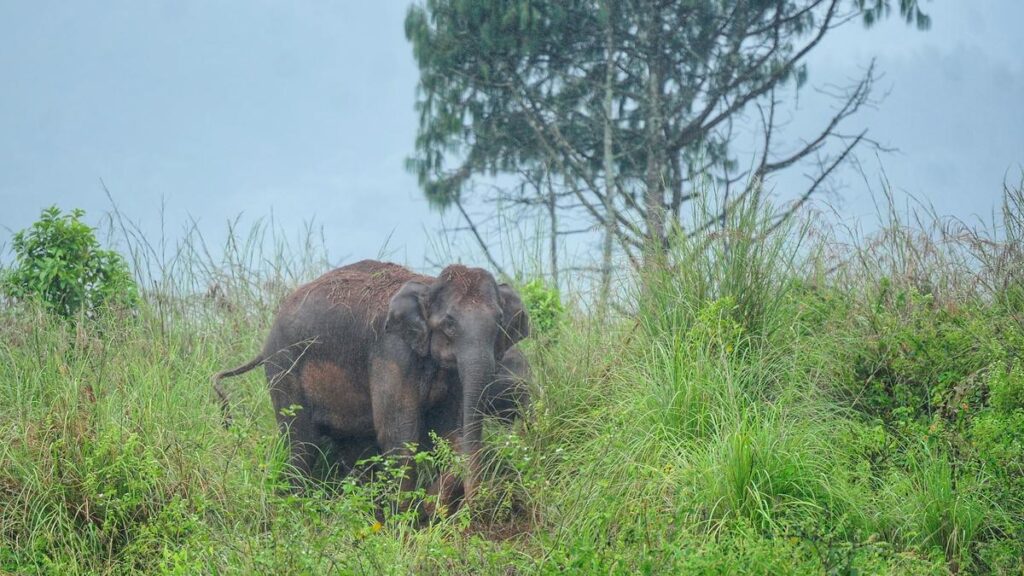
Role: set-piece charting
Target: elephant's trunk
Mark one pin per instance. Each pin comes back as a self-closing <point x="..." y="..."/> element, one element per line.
<point x="476" y="368"/>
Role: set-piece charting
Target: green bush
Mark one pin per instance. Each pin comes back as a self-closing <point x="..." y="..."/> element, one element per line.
<point x="923" y="362"/>
<point x="60" y="263"/>
<point x="544" y="306"/>
<point x="997" y="439"/>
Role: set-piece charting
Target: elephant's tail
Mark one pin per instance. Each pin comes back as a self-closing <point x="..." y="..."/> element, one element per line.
<point x="225" y="407"/>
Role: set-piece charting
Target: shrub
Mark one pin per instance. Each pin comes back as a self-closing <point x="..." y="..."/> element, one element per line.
<point x="544" y="306"/>
<point x="922" y="361"/>
<point x="60" y="263"/>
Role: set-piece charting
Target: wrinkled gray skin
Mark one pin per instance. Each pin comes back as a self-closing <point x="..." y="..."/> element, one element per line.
<point x="377" y="357"/>
<point x="506" y="397"/>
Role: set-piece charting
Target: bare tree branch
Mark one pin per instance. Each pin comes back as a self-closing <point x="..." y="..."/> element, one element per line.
<point x="483" y="245"/>
<point x="815" y="183"/>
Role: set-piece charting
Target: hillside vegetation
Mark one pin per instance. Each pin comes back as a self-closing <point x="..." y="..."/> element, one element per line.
<point x="772" y="402"/>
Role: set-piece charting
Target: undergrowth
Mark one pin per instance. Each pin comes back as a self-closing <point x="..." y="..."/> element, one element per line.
<point x="758" y="406"/>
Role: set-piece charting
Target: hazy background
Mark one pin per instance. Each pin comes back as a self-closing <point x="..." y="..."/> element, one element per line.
<point x="305" y="111"/>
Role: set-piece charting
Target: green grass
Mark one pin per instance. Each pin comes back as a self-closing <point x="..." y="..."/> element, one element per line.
<point x="746" y="412"/>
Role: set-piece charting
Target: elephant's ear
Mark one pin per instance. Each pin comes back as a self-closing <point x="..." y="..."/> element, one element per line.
<point x="406" y="316"/>
<point x="515" y="324"/>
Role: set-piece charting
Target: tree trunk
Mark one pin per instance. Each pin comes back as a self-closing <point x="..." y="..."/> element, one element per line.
<point x="609" y="163"/>
<point x="654" y="181"/>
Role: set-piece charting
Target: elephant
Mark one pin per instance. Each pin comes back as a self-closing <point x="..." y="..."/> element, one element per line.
<point x="370" y="358"/>
<point x="507" y="396"/>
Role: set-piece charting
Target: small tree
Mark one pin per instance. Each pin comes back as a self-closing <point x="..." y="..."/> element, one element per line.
<point x="60" y="263"/>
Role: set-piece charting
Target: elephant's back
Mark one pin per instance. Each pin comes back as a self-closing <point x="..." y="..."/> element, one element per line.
<point x="340" y="315"/>
<point x="366" y="286"/>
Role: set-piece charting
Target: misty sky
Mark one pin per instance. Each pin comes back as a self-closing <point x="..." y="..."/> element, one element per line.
<point x="306" y="110"/>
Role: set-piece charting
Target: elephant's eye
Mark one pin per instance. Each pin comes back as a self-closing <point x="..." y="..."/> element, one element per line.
<point x="448" y="325"/>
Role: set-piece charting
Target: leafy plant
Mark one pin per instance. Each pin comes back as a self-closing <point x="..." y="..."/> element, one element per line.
<point x="923" y="361"/>
<point x="60" y="263"/>
<point x="544" y="305"/>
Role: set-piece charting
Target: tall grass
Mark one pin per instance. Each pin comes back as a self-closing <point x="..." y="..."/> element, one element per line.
<point x="736" y="417"/>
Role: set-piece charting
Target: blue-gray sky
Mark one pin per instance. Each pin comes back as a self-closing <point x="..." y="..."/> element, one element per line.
<point x="306" y="110"/>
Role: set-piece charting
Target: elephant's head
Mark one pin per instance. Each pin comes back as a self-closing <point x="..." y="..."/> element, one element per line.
<point x="463" y="320"/>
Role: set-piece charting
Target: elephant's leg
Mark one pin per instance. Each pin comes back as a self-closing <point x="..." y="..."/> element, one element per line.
<point x="303" y="452"/>
<point x="446" y="491"/>
<point x="295" y="420"/>
<point x="397" y="406"/>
